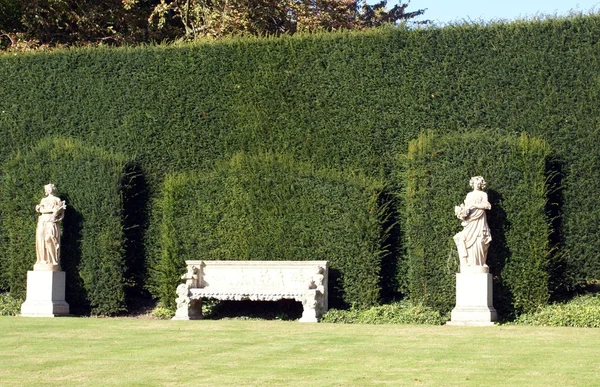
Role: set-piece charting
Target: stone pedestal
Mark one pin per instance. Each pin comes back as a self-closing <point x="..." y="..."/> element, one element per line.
<point x="309" y="315"/>
<point x="188" y="309"/>
<point x="474" y="305"/>
<point x="45" y="294"/>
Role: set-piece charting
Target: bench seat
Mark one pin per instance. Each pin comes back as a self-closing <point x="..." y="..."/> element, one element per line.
<point x="302" y="281"/>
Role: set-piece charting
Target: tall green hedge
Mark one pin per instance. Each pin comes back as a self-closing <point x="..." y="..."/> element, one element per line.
<point x="436" y="172"/>
<point x="348" y="101"/>
<point x="269" y="207"/>
<point x="91" y="181"/>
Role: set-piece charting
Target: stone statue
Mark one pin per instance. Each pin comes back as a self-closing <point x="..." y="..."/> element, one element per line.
<point x="47" y="234"/>
<point x="473" y="241"/>
<point x="313" y="299"/>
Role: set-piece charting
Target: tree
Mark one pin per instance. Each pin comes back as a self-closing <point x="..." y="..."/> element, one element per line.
<point x="10" y="14"/>
<point x="85" y="21"/>
<point x="10" y="20"/>
<point x="218" y="18"/>
<point x="35" y="23"/>
<point x="40" y="23"/>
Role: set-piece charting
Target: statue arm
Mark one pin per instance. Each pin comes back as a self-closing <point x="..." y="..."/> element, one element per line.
<point x="478" y="201"/>
<point x="484" y="205"/>
<point x="43" y="209"/>
<point x="58" y="210"/>
<point x="61" y="205"/>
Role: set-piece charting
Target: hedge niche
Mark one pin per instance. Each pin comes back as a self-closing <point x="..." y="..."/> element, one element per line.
<point x="269" y="207"/>
<point x="91" y="181"/>
<point x="436" y="173"/>
<point x="345" y="101"/>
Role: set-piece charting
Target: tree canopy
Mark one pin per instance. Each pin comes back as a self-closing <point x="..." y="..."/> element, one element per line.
<point x="26" y="24"/>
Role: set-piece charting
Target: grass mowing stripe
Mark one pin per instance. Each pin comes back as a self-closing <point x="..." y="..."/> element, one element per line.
<point x="87" y="351"/>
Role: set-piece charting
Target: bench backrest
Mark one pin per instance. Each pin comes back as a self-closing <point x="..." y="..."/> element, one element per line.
<point x="292" y="277"/>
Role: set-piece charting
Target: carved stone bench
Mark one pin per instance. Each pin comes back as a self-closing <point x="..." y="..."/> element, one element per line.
<point x="303" y="281"/>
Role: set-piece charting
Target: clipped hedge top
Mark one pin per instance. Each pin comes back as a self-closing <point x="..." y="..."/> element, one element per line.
<point x="436" y="172"/>
<point x="91" y="180"/>
<point x="267" y="208"/>
<point x="346" y="101"/>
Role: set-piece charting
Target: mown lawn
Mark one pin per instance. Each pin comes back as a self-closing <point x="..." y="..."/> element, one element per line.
<point x="127" y="351"/>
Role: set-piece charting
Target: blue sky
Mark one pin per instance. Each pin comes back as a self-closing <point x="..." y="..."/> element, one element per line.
<point x="444" y="11"/>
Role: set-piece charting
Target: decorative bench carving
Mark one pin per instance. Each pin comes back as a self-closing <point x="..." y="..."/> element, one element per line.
<point x="303" y="281"/>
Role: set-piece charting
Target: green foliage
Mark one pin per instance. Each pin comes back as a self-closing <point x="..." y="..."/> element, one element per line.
<point x="403" y="312"/>
<point x="39" y="24"/>
<point x="582" y="312"/>
<point x="91" y="181"/>
<point x="9" y="305"/>
<point x="82" y="22"/>
<point x="436" y="172"/>
<point x="10" y="14"/>
<point x="163" y="313"/>
<point x="273" y="17"/>
<point x="347" y="101"/>
<point x="271" y="208"/>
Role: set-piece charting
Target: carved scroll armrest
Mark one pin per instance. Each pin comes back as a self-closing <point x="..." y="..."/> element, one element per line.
<point x="191" y="277"/>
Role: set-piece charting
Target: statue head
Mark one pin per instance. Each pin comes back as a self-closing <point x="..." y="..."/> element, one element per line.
<point x="477" y="182"/>
<point x="49" y="189"/>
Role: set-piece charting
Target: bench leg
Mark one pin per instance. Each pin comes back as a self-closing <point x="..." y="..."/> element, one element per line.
<point x="309" y="315"/>
<point x="190" y="311"/>
<point x="309" y="305"/>
<point x="314" y="306"/>
<point x="187" y="308"/>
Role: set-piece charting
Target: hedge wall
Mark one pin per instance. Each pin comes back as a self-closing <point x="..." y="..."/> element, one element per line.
<point x="91" y="181"/>
<point x="348" y="101"/>
<point x="436" y="173"/>
<point x="269" y="207"/>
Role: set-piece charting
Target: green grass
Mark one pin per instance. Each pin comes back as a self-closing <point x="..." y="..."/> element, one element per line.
<point x="90" y="351"/>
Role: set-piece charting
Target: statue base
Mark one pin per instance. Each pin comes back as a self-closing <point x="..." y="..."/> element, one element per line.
<point x="45" y="294"/>
<point x="473" y="299"/>
<point x="309" y="315"/>
<point x="45" y="267"/>
<point x="192" y="311"/>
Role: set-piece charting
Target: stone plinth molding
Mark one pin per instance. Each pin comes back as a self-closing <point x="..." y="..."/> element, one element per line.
<point x="474" y="306"/>
<point x="45" y="294"/>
